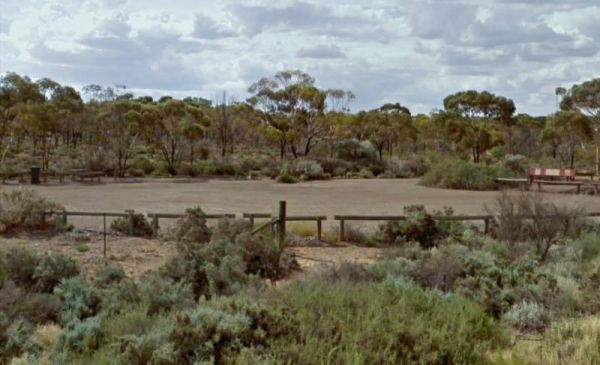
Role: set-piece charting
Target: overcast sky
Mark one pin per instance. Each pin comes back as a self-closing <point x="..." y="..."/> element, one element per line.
<point x="409" y="51"/>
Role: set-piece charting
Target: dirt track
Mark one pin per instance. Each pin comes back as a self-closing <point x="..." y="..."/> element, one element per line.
<point x="377" y="196"/>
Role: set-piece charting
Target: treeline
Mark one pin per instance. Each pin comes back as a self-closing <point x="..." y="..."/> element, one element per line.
<point x="286" y="118"/>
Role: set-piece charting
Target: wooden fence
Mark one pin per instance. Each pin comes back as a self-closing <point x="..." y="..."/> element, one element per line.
<point x="279" y="221"/>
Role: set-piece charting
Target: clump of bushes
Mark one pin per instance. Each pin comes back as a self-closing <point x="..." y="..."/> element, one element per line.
<point x="141" y="226"/>
<point x="459" y="174"/>
<point x="286" y="178"/>
<point x="232" y="258"/>
<point x="192" y="227"/>
<point x="23" y="209"/>
<point x="432" y="328"/>
<point x="419" y="226"/>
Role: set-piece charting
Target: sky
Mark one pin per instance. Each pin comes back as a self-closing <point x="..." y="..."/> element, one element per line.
<point x="414" y="52"/>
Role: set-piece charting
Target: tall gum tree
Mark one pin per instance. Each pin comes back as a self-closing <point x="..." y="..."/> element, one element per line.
<point x="474" y="117"/>
<point x="586" y="98"/>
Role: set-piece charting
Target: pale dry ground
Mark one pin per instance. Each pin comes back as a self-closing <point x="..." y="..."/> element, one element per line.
<point x="331" y="197"/>
<point x="138" y="255"/>
<point x="376" y="196"/>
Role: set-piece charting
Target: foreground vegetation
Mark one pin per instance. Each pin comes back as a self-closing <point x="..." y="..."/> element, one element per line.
<point x="443" y="293"/>
<point x="291" y="130"/>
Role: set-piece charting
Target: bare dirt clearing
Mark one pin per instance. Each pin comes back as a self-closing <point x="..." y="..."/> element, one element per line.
<point x="375" y="196"/>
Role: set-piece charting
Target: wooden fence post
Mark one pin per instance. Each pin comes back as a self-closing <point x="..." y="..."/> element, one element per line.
<point x="130" y="220"/>
<point x="319" y="229"/>
<point x="342" y="230"/>
<point x="486" y="225"/>
<point x="251" y="222"/>
<point x="281" y="223"/>
<point x="64" y="218"/>
<point x="155" y="224"/>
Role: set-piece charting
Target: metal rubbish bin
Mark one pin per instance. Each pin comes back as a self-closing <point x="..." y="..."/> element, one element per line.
<point x="35" y="175"/>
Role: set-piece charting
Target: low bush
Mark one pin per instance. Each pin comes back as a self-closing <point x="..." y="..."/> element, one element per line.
<point x="546" y="223"/>
<point x="108" y="273"/>
<point x="361" y="323"/>
<point x="419" y="226"/>
<point x="22" y="210"/>
<point x="34" y="272"/>
<point x="192" y="227"/>
<point x="458" y="174"/>
<point x="51" y="269"/>
<point x="141" y="226"/>
<point x="526" y="317"/>
<point x="286" y="178"/>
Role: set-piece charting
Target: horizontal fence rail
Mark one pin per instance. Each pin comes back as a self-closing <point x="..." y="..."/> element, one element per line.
<point x="154" y="217"/>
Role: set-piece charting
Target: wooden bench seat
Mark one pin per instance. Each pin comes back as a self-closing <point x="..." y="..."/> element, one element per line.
<point x="578" y="184"/>
<point x="82" y="175"/>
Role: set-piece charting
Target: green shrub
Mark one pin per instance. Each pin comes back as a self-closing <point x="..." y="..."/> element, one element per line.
<point x="37" y="273"/>
<point x="79" y="299"/>
<point x="217" y="331"/>
<point x="161" y="169"/>
<point x="161" y="294"/>
<point x="355" y="151"/>
<point x="526" y="316"/>
<point x="108" y="273"/>
<point x="380" y="324"/>
<point x="81" y="336"/>
<point x="458" y="174"/>
<point x="192" y="227"/>
<point x="307" y="170"/>
<point x="14" y="338"/>
<point x="149" y="348"/>
<point x="286" y="178"/>
<point x="419" y="226"/>
<point x="18" y="265"/>
<point x="51" y="269"/>
<point x="23" y="209"/>
<point x="142" y="164"/>
<point x="141" y="226"/>
<point x="137" y="173"/>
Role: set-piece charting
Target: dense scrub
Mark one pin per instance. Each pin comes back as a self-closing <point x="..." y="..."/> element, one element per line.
<point x="442" y="293"/>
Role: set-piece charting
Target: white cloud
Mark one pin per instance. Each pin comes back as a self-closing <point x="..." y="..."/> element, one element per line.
<point x="413" y="52"/>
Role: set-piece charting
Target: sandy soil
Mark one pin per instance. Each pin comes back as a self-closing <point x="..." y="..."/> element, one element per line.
<point x="137" y="255"/>
<point x="377" y="196"/>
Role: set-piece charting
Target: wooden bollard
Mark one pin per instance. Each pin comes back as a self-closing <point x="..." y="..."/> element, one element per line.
<point x="342" y="230"/>
<point x="281" y="224"/>
<point x="130" y="220"/>
<point x="486" y="226"/>
<point x="319" y="229"/>
<point x="155" y="225"/>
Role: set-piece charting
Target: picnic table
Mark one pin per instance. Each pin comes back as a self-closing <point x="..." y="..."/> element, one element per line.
<point x="83" y="174"/>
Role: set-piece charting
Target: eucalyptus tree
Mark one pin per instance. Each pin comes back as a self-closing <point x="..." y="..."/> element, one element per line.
<point x="586" y="98"/>
<point x="15" y="92"/>
<point x="170" y="125"/>
<point x="120" y="128"/>
<point x="567" y="131"/>
<point x="387" y="125"/>
<point x="292" y="110"/>
<point x="475" y="119"/>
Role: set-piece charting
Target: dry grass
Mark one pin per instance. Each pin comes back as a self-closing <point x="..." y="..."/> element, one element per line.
<point x="574" y="341"/>
<point x="304" y="229"/>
